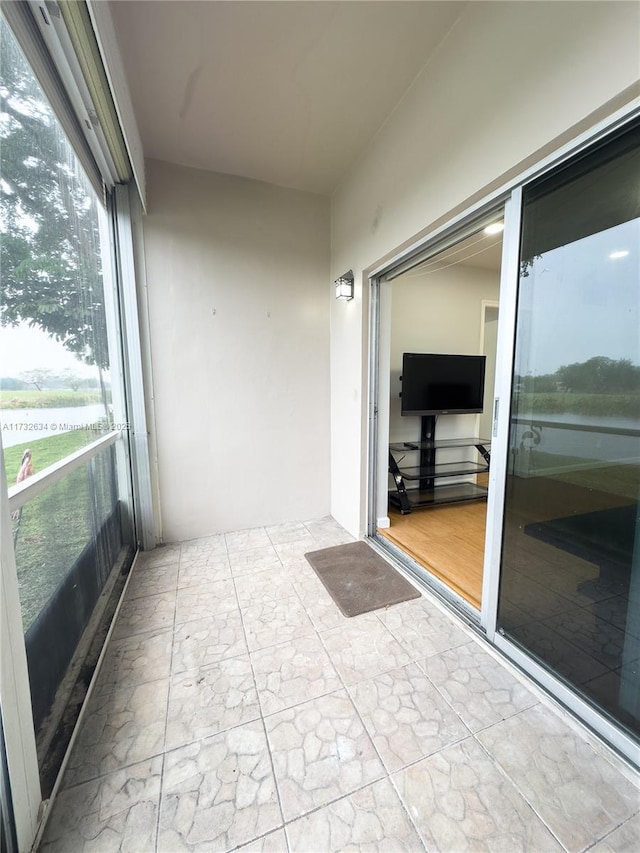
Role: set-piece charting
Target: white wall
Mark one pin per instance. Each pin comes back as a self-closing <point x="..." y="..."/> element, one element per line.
<point x="440" y="312"/>
<point x="507" y="80"/>
<point x="237" y="274"/>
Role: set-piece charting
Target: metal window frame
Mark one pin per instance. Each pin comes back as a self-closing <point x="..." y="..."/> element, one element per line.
<point x="15" y="693"/>
<point x="8" y="839"/>
<point x="66" y="104"/>
<point x="373" y="399"/>
<point x="122" y="225"/>
<point x="117" y="370"/>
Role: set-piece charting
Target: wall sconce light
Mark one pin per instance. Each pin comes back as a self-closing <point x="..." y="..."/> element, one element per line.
<point x="344" y="286"/>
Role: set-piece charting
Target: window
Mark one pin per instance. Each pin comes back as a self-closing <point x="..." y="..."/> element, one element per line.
<point x="58" y="343"/>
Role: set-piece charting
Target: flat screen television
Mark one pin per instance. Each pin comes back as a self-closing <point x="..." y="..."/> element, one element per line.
<point x="436" y="384"/>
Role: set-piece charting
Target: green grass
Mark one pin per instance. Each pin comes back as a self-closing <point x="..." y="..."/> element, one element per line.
<point x="559" y="402"/>
<point x="54" y="528"/>
<point x="51" y="533"/>
<point x="47" y="399"/>
<point x="46" y="451"/>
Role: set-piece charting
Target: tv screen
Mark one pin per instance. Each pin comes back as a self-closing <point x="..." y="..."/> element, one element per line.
<point x="435" y="384"/>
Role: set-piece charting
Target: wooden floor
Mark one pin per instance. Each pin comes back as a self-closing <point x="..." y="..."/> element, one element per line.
<point x="449" y="540"/>
<point x="446" y="540"/>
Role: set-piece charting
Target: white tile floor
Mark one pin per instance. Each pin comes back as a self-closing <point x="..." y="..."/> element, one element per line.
<point x="237" y="708"/>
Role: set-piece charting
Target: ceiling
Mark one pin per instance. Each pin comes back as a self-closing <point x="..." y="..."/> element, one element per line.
<point x="284" y="92"/>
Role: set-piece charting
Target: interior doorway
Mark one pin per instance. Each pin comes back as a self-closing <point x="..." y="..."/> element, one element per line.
<point x="438" y="320"/>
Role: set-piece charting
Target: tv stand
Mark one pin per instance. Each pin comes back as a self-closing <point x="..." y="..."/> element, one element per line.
<point x="426" y="479"/>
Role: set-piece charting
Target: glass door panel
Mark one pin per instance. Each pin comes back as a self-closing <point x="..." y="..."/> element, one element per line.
<point x="570" y="569"/>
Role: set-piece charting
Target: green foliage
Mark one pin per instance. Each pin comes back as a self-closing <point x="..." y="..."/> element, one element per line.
<point x="610" y="405"/>
<point x="49" y="252"/>
<point x="596" y="376"/>
<point x="47" y="399"/>
<point x="533" y="384"/>
<point x="600" y="375"/>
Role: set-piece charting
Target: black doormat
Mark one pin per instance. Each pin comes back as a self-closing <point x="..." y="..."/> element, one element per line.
<point x="358" y="579"/>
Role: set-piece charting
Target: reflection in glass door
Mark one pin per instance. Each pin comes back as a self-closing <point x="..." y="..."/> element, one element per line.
<point x="570" y="571"/>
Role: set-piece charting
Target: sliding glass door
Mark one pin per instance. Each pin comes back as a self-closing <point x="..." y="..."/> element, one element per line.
<point x="569" y="592"/>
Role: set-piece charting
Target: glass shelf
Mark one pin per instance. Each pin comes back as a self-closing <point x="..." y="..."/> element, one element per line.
<point x="441" y="495"/>
<point x="406" y="446"/>
<point x="444" y="469"/>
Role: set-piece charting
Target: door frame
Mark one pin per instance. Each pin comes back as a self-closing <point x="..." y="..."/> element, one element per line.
<point x="378" y="388"/>
<point x="501" y="412"/>
<point x="508" y="195"/>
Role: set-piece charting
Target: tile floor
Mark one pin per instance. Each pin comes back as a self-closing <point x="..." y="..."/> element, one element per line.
<point x="238" y="709"/>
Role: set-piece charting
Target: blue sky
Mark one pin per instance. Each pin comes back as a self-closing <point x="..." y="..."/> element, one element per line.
<point x="579" y="302"/>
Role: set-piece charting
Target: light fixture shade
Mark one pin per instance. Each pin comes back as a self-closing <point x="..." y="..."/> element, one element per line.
<point x="344" y="286"/>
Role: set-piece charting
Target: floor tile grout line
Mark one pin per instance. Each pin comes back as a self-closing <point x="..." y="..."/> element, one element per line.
<point x="131" y="597"/>
<point x="160" y="798"/>
<point x="365" y="728"/>
<point x="264" y="727"/>
<point x="115" y="686"/>
<point x="604" y="837"/>
<point x="222" y="731"/>
<point x="366" y="677"/>
<point x="445" y="698"/>
<point x="302" y="701"/>
<point x="286" y="822"/>
<point x="362" y="722"/>
<point x="468" y="734"/>
<point x="414" y="658"/>
<point x="229" y="728"/>
<point x="178" y="624"/>
<point x="200" y="668"/>
<point x="418" y="662"/>
<point x="413" y="763"/>
<point x="503" y="771"/>
<point x="257" y="838"/>
<point x="423" y="840"/>
<point x="334" y="800"/>
<point x="345" y="688"/>
<point x="289" y="642"/>
<point x="101" y="776"/>
<point x="169" y="694"/>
